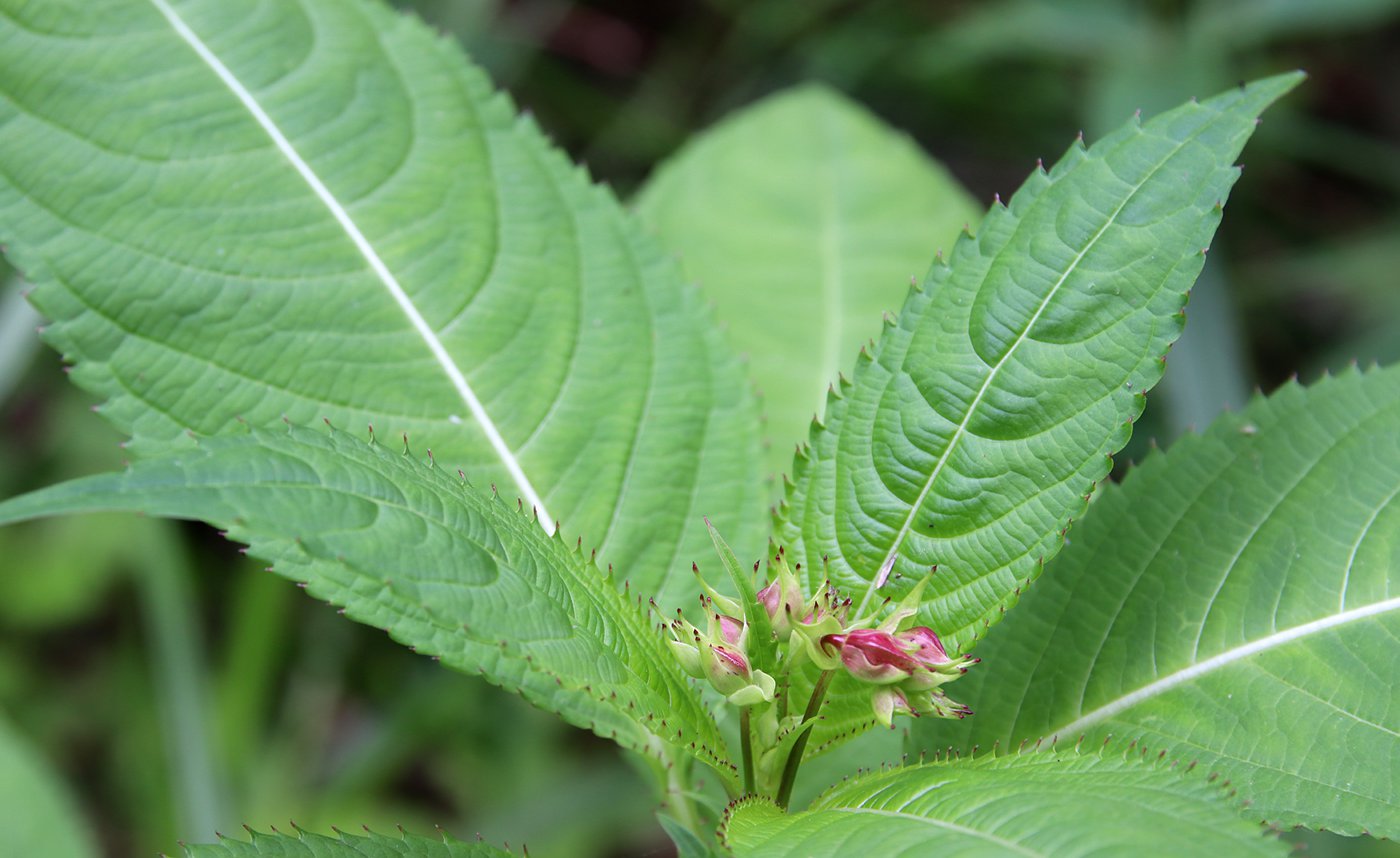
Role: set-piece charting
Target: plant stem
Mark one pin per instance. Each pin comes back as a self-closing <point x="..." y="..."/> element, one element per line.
<point x="746" y="748"/>
<point x="795" y="756"/>
<point x="682" y="808"/>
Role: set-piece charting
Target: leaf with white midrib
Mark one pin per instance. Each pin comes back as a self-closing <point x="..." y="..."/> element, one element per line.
<point x="444" y="567"/>
<point x="1054" y="802"/>
<point x="1234" y="601"/>
<point x="362" y="244"/>
<point x="227" y="218"/>
<point x="976" y="430"/>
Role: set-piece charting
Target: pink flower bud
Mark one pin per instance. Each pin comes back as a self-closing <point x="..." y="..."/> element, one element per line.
<point x="726" y="668"/>
<point x="731" y="631"/>
<point x="729" y="672"/>
<point x="874" y="656"/>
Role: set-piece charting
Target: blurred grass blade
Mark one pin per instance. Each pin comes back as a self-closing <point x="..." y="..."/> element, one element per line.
<point x="165" y="583"/>
<point x="37" y="814"/>
<point x="303" y="844"/>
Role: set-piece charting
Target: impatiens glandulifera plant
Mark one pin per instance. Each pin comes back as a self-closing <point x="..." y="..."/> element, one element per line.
<point x="255" y="228"/>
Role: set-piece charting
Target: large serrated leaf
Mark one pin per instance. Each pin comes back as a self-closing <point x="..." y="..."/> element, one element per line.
<point x="304" y="844"/>
<point x="805" y="218"/>
<point x="317" y="208"/>
<point x="1236" y="601"/>
<point x="1060" y="803"/>
<point x="988" y="412"/>
<point x="447" y="568"/>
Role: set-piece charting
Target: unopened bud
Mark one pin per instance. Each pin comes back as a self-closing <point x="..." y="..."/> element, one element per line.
<point x="729" y="672"/>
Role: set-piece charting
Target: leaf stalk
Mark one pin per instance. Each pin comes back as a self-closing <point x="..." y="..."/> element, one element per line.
<point x="746" y="748"/>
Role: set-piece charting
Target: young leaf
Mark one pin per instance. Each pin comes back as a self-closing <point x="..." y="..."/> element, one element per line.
<point x="444" y="567"/>
<point x="979" y="426"/>
<point x="317" y="208"/>
<point x="304" y="844"/>
<point x="1234" y="601"/>
<point x="1053" y="802"/>
<point x="804" y="217"/>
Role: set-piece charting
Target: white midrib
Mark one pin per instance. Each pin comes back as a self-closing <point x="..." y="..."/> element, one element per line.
<point x="1220" y="660"/>
<point x="376" y="264"/>
<point x="887" y="565"/>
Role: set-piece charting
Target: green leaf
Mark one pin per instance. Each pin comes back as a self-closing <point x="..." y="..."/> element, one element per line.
<point x="762" y="646"/>
<point x="304" y="844"/>
<point x="804" y="217"/>
<point x="1054" y="802"/>
<point x="37" y="814"/>
<point x="989" y="410"/>
<point x="317" y="208"/>
<point x="1234" y="601"/>
<point x="448" y="569"/>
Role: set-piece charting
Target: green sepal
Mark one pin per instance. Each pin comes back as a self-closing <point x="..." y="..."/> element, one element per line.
<point x="762" y="648"/>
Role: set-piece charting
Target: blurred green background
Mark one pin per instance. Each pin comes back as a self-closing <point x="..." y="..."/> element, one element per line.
<point x="175" y="688"/>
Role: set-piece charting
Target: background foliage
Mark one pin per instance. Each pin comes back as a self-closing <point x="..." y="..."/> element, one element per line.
<point x="179" y="689"/>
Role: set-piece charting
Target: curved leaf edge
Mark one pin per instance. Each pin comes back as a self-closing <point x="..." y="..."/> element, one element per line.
<point x="1128" y="749"/>
<point x="1039" y="752"/>
<point x="1157" y="456"/>
<point x="767" y="805"/>
<point x="343" y="842"/>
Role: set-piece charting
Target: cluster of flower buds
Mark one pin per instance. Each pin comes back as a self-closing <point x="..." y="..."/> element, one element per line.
<point x="719" y="654"/>
<point x="798" y="622"/>
<point x="905" y="667"/>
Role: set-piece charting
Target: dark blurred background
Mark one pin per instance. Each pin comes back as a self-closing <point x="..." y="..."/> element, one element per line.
<point x="176" y="688"/>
